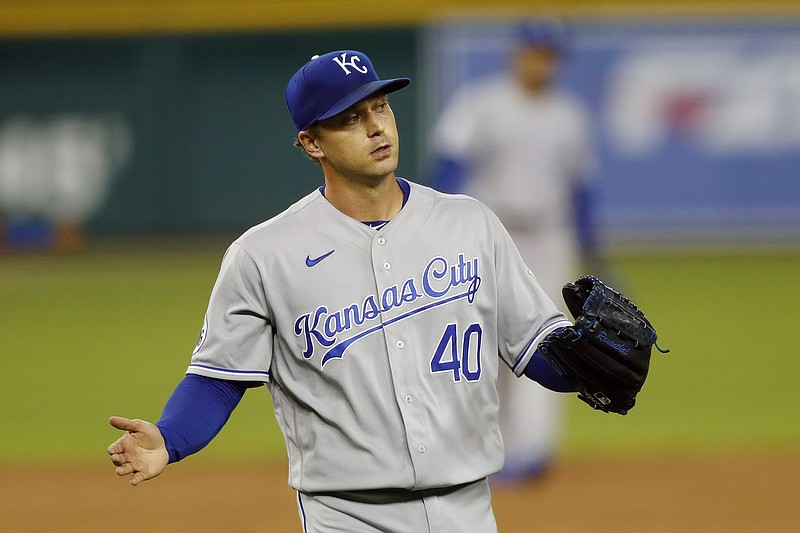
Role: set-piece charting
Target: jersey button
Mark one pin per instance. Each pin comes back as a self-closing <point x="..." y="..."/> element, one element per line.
<point x="387" y="266"/>
<point x="409" y="399"/>
<point x="421" y="448"/>
<point x="399" y="345"/>
<point x="381" y="241"/>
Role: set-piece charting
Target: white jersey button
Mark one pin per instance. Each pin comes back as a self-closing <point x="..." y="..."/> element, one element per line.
<point x="387" y="266"/>
<point x="409" y="399"/>
<point x="381" y="241"/>
<point x="399" y="345"/>
<point x="421" y="448"/>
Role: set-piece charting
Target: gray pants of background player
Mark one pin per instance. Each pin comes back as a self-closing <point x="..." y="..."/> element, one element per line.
<point x="462" y="509"/>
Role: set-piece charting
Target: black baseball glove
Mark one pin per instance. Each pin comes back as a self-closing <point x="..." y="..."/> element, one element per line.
<point x="606" y="354"/>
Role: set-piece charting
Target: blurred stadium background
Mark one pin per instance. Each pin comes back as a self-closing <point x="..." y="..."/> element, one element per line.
<point x="137" y="138"/>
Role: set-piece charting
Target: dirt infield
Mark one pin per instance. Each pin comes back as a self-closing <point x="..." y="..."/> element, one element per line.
<point x="611" y="495"/>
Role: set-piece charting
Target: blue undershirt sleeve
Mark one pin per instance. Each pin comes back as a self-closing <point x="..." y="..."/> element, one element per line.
<point x="582" y="198"/>
<point x="540" y="371"/>
<point x="448" y="176"/>
<point x="196" y="411"/>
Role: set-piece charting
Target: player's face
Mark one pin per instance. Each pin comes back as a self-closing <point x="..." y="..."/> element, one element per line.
<point x="361" y="142"/>
<point x="535" y="67"/>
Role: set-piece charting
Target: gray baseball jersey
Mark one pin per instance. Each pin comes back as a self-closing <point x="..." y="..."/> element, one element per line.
<point x="380" y="347"/>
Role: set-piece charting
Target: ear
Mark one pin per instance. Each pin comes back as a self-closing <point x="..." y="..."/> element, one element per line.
<point x="310" y="145"/>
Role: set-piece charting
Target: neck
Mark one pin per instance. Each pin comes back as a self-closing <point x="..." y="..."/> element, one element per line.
<point x="374" y="200"/>
<point x="535" y="88"/>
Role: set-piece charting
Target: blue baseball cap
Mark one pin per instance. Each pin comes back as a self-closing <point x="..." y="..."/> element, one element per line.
<point x="544" y="34"/>
<point x="330" y="83"/>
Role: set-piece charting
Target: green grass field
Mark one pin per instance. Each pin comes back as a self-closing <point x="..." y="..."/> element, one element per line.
<point x="111" y="331"/>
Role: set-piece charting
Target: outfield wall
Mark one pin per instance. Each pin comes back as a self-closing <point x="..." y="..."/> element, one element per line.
<point x="696" y="122"/>
<point x="186" y="132"/>
<point x="137" y="17"/>
<point x="169" y="117"/>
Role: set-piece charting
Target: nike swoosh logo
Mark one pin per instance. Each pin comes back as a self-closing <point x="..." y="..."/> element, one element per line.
<point x="313" y="262"/>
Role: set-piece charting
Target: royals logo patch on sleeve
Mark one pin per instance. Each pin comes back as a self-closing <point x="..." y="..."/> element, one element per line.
<point x="202" y="338"/>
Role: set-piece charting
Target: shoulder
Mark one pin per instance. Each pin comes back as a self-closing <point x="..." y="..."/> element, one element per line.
<point x="440" y="197"/>
<point x="283" y="225"/>
<point x="491" y="84"/>
<point x="479" y="92"/>
<point x="449" y="204"/>
<point x="460" y="218"/>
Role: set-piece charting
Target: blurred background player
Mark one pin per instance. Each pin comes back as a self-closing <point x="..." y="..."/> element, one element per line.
<point x="522" y="145"/>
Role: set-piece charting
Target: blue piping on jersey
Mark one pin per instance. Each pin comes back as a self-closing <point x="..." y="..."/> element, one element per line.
<point x="302" y="512"/>
<point x="231" y="371"/>
<point x="547" y="331"/>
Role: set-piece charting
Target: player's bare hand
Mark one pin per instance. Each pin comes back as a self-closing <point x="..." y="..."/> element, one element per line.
<point x="140" y="452"/>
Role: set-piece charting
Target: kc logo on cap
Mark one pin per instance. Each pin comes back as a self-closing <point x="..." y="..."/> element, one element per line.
<point x="353" y="63"/>
<point x="330" y="83"/>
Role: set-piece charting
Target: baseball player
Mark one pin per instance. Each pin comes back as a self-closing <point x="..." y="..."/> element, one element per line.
<point x="522" y="146"/>
<point x="378" y="312"/>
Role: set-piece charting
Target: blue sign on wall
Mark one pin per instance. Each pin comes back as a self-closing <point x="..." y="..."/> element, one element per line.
<point x="697" y="123"/>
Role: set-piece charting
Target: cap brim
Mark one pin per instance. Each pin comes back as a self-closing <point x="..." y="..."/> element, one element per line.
<point x="365" y="91"/>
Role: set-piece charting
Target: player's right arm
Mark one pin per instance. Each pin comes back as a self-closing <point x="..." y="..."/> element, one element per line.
<point x="448" y="175"/>
<point x="140" y="452"/>
<point x="456" y="139"/>
<point x="192" y="417"/>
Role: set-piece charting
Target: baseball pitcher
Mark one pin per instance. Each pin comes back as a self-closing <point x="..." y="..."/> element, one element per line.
<point x="377" y="312"/>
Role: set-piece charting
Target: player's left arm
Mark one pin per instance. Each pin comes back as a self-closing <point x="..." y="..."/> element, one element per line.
<point x="606" y="353"/>
<point x="542" y="372"/>
<point x="583" y="201"/>
<point x="582" y="168"/>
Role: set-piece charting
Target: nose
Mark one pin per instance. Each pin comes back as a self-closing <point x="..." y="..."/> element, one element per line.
<point x="375" y="124"/>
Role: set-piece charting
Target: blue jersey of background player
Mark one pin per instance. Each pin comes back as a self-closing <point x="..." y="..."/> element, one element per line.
<point x="377" y="311"/>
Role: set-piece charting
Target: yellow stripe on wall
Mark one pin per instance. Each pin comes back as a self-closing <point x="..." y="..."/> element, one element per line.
<point x="95" y="17"/>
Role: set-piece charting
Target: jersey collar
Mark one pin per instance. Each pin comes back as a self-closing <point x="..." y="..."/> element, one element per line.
<point x="379" y="224"/>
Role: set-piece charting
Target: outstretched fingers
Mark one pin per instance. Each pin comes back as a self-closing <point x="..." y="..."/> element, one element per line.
<point x="140" y="452"/>
<point x="138" y="477"/>
<point x="125" y="469"/>
<point x="125" y="424"/>
<point x="119" y="459"/>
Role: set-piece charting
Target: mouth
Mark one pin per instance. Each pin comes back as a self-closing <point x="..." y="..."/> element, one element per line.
<point x="382" y="151"/>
